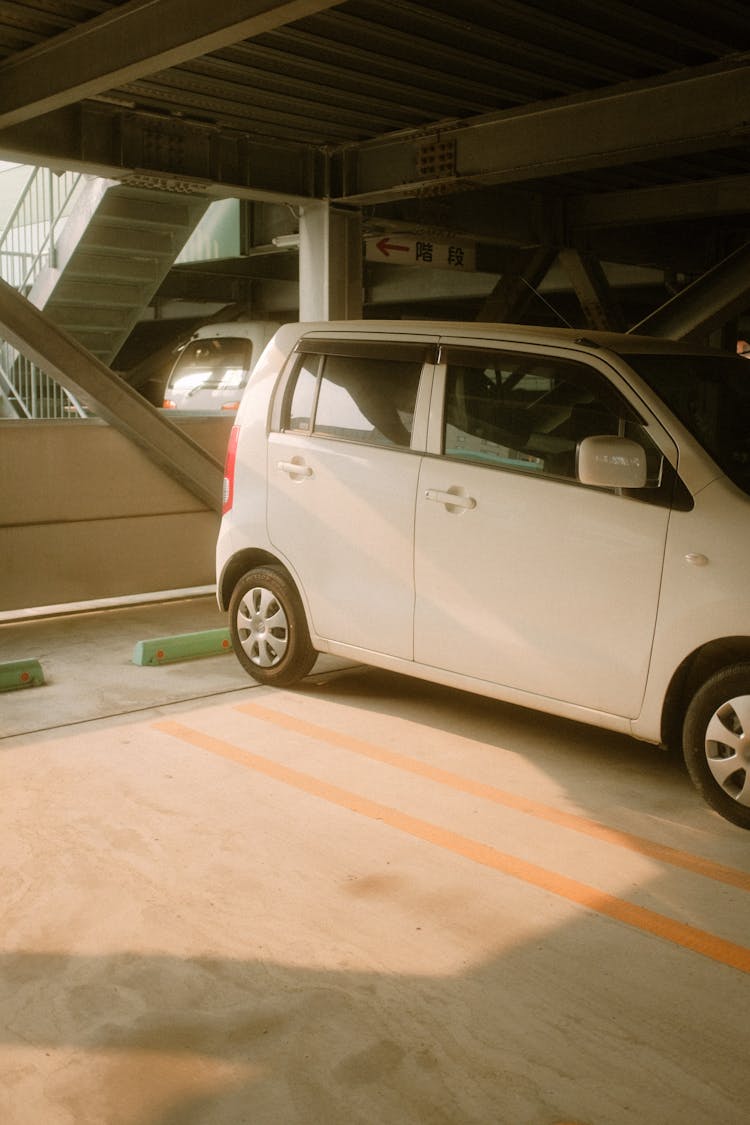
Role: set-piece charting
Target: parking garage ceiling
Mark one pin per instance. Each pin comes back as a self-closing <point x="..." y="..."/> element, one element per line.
<point x="620" y="129"/>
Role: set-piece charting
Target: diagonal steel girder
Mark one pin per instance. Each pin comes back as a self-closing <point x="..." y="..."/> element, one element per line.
<point x="108" y="396"/>
<point x="692" y="110"/>
<point x="595" y="296"/>
<point x="134" y="39"/>
<point x="706" y="304"/>
<point x="518" y="285"/>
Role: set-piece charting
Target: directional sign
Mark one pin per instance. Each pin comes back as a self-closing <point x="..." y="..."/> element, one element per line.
<point x="400" y="250"/>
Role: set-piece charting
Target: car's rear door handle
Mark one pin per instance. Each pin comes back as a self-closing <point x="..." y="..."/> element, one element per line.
<point x="294" y="468"/>
<point x="451" y="499"/>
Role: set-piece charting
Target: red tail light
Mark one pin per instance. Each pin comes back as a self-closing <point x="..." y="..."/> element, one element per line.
<point x="227" y="497"/>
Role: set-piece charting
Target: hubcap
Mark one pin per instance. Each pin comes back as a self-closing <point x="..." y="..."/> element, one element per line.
<point x="728" y="748"/>
<point x="262" y="627"/>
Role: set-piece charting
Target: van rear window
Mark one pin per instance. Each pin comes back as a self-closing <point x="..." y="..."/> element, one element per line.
<point x="216" y="363"/>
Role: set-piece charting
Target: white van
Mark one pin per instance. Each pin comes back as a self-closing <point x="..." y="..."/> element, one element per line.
<point x="212" y="369"/>
<point x="553" y="518"/>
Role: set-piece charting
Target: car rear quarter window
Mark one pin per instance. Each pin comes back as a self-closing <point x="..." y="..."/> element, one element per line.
<point x="367" y="400"/>
<point x="360" y="393"/>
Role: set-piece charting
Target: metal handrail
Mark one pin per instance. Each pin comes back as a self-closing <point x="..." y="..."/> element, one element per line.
<point x="28" y="243"/>
<point x="29" y="238"/>
<point x="15" y="214"/>
<point x="32" y="393"/>
<point x="8" y="388"/>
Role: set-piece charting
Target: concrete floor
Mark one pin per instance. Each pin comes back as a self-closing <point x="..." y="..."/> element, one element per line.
<point x="368" y="900"/>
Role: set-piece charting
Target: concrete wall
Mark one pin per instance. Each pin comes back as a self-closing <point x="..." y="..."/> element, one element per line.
<point x="85" y="514"/>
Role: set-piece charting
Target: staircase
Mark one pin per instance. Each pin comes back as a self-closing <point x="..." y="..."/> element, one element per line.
<point x="108" y="260"/>
<point x="113" y="255"/>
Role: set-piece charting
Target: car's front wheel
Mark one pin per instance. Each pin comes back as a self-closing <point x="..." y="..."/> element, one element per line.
<point x="268" y="628"/>
<point x="716" y="742"/>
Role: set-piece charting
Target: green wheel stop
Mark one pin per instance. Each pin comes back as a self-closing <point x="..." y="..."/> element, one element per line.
<point x="183" y="646"/>
<point x="16" y="674"/>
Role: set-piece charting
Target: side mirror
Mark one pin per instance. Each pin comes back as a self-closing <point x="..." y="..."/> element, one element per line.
<point x="611" y="462"/>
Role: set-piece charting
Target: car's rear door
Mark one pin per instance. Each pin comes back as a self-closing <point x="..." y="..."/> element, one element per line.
<point x="343" y="467"/>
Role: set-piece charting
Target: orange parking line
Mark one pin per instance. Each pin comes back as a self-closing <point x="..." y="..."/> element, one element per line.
<point x="648" y="921"/>
<point x="686" y="860"/>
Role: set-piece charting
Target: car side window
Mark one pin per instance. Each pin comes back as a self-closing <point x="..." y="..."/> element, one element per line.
<point x="527" y="412"/>
<point x="364" y="398"/>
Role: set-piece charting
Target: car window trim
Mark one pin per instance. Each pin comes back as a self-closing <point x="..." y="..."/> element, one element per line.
<point x="401" y="350"/>
<point x="456" y="353"/>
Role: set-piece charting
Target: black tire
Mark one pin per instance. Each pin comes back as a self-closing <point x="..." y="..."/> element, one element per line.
<point x="716" y="742"/>
<point x="268" y="628"/>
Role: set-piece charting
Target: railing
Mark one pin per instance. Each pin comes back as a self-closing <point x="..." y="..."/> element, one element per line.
<point x="28" y="242"/>
<point x="28" y="245"/>
<point x="8" y="392"/>
<point x="30" y="392"/>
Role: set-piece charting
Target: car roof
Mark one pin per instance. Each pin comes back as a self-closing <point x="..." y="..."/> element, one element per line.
<point x="621" y="342"/>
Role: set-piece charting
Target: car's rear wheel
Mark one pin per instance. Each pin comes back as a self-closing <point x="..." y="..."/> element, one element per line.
<point x="268" y="628"/>
<point x="716" y="742"/>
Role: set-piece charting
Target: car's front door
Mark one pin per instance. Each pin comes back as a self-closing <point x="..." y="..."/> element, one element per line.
<point x="524" y="577"/>
<point x="342" y="477"/>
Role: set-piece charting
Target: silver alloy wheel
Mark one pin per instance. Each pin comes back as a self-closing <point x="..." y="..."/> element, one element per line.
<point x="262" y="627"/>
<point x="727" y="747"/>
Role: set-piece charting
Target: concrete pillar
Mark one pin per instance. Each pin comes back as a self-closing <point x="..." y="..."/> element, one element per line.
<point x="330" y="262"/>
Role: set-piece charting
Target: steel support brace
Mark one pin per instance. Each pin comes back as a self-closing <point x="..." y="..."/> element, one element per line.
<point x="108" y="396"/>
<point x="518" y="285"/>
<point x="592" y="289"/>
<point x="707" y="304"/>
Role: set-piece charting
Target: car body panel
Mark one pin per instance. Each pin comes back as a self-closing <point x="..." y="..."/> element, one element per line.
<point x="348" y="527"/>
<point x="571" y="599"/>
<point x="563" y="607"/>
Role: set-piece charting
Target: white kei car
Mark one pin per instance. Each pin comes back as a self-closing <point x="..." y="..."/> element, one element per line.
<point x="553" y="518"/>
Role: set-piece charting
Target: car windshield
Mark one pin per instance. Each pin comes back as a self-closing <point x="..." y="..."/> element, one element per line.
<point x="211" y="364"/>
<point x="711" y="397"/>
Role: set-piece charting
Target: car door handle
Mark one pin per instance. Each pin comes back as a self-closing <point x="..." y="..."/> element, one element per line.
<point x="452" y="500"/>
<point x="294" y="468"/>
